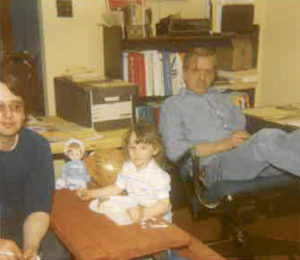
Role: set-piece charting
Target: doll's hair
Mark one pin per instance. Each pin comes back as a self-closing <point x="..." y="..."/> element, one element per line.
<point x="73" y="144"/>
<point x="148" y="134"/>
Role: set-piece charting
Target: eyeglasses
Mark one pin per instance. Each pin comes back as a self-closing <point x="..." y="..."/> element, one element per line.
<point x="14" y="107"/>
<point x="207" y="72"/>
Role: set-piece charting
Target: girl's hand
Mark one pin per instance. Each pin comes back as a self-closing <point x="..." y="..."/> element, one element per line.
<point x="9" y="250"/>
<point x="135" y="214"/>
<point x="84" y="194"/>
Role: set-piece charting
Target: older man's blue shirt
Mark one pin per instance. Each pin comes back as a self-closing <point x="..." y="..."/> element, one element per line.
<point x="190" y="118"/>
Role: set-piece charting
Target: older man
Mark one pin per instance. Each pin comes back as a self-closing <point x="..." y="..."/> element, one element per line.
<point x="27" y="180"/>
<point x="202" y="118"/>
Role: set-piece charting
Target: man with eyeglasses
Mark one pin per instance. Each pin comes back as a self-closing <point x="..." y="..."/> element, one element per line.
<point x="207" y="121"/>
<point x="27" y="182"/>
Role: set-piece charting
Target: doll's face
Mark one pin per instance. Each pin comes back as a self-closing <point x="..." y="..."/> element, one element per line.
<point x="75" y="154"/>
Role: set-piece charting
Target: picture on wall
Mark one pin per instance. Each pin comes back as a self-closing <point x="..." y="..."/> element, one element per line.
<point x="118" y="4"/>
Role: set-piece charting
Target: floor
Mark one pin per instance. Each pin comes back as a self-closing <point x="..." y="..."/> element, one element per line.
<point x="208" y="227"/>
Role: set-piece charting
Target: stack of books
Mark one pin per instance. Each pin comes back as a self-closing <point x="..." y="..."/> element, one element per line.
<point x="238" y="79"/>
<point x="148" y="112"/>
<point x="157" y="73"/>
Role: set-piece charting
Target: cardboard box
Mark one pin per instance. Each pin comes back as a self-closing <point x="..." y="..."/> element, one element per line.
<point x="237" y="55"/>
<point x="102" y="105"/>
<point x="136" y="31"/>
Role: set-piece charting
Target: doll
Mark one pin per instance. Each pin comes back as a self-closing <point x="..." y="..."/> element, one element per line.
<point x="74" y="174"/>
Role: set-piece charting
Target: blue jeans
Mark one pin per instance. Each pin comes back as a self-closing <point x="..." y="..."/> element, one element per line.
<point x="265" y="151"/>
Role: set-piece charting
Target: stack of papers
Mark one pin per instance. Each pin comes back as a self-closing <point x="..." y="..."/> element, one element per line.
<point x="282" y="114"/>
<point x="55" y="129"/>
<point x="238" y="80"/>
<point x="115" y="208"/>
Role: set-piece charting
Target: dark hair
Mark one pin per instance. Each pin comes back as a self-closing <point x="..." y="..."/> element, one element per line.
<point x="148" y="134"/>
<point x="14" y="85"/>
<point x="199" y="52"/>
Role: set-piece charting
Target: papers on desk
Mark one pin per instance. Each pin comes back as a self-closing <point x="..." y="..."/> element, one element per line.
<point x="273" y="113"/>
<point x="57" y="130"/>
<point x="114" y="208"/>
<point x="293" y="121"/>
<point x="288" y="114"/>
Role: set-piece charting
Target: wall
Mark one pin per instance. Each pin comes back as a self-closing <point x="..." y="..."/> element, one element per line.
<point x="186" y="8"/>
<point x="69" y="42"/>
<point x="77" y="42"/>
<point x="279" y="54"/>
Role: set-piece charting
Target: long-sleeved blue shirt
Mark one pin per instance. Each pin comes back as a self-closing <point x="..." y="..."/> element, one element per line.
<point x="190" y="118"/>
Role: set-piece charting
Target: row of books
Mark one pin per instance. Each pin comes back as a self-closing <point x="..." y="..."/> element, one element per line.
<point x="150" y="111"/>
<point x="159" y="73"/>
<point x="240" y="99"/>
<point x="156" y="73"/>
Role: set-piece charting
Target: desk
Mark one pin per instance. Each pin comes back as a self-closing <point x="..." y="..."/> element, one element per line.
<point x="285" y="117"/>
<point x="58" y="131"/>
<point x="92" y="236"/>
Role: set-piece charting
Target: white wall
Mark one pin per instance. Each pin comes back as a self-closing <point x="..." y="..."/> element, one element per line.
<point x="279" y="52"/>
<point x="69" y="42"/>
<point x="77" y="41"/>
<point x="186" y="8"/>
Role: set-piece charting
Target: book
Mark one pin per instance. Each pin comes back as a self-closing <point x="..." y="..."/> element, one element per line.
<point x="176" y="72"/>
<point x="167" y="73"/>
<point x="156" y="106"/>
<point x="240" y="99"/>
<point x="125" y="65"/>
<point x="157" y="73"/>
<point x="149" y="73"/>
<point x="145" y="113"/>
<point x="136" y="71"/>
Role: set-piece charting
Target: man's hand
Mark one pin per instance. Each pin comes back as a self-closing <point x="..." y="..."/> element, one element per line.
<point x="238" y="137"/>
<point x="9" y="250"/>
<point x="30" y="254"/>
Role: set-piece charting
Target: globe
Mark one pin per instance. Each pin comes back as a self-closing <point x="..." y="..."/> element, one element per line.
<point x="104" y="166"/>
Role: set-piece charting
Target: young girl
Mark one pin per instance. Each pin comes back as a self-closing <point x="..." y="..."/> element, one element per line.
<point x="141" y="177"/>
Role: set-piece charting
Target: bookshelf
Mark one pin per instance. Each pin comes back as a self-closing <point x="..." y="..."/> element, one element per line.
<point x="179" y="44"/>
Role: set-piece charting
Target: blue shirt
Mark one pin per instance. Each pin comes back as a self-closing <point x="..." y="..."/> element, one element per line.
<point x="27" y="182"/>
<point x="190" y="118"/>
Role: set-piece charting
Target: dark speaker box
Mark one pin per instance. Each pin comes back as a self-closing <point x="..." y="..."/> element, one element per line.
<point x="237" y="18"/>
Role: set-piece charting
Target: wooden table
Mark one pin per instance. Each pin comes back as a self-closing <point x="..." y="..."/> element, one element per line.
<point x="92" y="236"/>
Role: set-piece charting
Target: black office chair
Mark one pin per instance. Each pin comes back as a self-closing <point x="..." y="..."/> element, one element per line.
<point x="239" y="202"/>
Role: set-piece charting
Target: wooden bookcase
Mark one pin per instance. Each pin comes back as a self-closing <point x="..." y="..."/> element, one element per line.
<point x="181" y="43"/>
<point x="184" y="43"/>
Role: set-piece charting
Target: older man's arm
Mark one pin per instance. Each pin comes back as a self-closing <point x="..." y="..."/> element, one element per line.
<point x="34" y="229"/>
<point x="171" y="129"/>
<point x="237" y="138"/>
